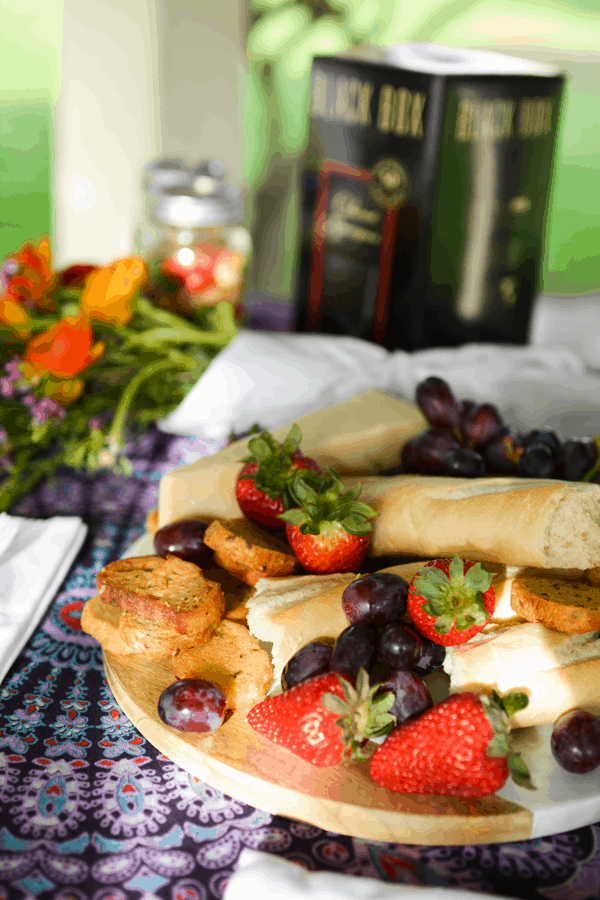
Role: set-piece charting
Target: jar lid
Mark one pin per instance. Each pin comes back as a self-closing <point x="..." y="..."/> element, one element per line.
<point x="187" y="210"/>
<point x="167" y="173"/>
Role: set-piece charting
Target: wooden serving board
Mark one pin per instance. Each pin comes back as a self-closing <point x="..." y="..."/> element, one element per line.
<point x="344" y="799"/>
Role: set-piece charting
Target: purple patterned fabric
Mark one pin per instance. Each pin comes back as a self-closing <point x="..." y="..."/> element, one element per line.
<point x="89" y="810"/>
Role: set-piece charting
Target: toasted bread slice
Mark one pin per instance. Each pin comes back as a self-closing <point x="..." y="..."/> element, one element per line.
<point x="592" y="576"/>
<point x="126" y="635"/>
<point x="559" y="604"/>
<point x="234" y="660"/>
<point x="249" y="552"/>
<point x="168" y="591"/>
<point x="236" y="593"/>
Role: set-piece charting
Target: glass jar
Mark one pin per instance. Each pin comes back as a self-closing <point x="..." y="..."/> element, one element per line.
<point x="199" y="251"/>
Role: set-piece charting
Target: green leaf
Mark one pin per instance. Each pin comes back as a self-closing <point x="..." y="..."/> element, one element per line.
<point x="334" y="704"/>
<point x="444" y="624"/>
<point x="303" y="492"/>
<point x="362" y="509"/>
<point x="259" y="448"/>
<point x="519" y="772"/>
<point x="292" y="441"/>
<point x="456" y="568"/>
<point x="293" y="516"/>
<point x="514" y="702"/>
<point x="356" y="525"/>
<point x="478" y="578"/>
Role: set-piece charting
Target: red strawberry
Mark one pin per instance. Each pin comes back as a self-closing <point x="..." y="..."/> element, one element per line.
<point x="451" y="600"/>
<point x="329" y="531"/>
<point x="263" y="484"/>
<point x="460" y="748"/>
<point x="324" y="719"/>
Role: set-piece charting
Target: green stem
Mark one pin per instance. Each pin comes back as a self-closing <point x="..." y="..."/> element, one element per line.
<point x="115" y="437"/>
<point x="17" y="485"/>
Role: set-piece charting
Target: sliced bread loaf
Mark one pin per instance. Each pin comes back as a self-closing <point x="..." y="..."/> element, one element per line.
<point x="249" y="552"/>
<point x="168" y="591"/>
<point x="559" y="604"/>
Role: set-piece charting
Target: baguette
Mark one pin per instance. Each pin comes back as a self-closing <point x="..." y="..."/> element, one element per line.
<point x="560" y="605"/>
<point x="234" y="660"/>
<point x="124" y="634"/>
<point x="557" y="671"/>
<point x="249" y="552"/>
<point x="168" y="592"/>
<point x="547" y="524"/>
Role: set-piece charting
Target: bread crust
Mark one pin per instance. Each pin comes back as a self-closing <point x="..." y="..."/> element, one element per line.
<point x="234" y="660"/>
<point x="249" y="552"/>
<point x="561" y="605"/>
<point x="168" y="591"/>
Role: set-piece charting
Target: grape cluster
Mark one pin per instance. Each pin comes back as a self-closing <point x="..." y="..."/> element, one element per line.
<point x="469" y="440"/>
<point x="378" y="640"/>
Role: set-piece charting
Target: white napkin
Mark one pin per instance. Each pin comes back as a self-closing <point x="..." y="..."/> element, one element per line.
<point x="272" y="878"/>
<point x="35" y="556"/>
<point x="273" y="378"/>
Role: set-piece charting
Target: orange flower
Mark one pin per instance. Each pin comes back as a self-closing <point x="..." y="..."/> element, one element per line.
<point x="63" y="350"/>
<point x="35" y="281"/>
<point x="15" y="316"/>
<point x="109" y="292"/>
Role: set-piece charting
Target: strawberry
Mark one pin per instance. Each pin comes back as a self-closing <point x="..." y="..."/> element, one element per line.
<point x="451" y="600"/>
<point x="263" y="485"/>
<point x="329" y="531"/>
<point x="325" y="719"/>
<point x="459" y="748"/>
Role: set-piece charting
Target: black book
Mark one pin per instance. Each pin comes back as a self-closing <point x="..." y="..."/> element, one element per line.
<point x="424" y="195"/>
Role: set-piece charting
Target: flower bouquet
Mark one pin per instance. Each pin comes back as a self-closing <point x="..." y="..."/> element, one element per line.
<point x="84" y="355"/>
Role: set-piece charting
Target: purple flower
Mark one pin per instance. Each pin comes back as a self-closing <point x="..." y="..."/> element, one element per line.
<point x="46" y="409"/>
<point x="3" y="435"/>
<point x="13" y="368"/>
<point x="6" y="388"/>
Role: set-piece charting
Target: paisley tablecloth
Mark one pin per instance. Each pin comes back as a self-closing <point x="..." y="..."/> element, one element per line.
<point x="89" y="810"/>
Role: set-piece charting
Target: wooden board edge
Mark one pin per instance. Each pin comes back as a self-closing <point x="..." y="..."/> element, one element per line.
<point x="497" y="820"/>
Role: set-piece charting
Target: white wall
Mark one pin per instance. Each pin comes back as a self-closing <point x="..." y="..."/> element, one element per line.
<point x="140" y="78"/>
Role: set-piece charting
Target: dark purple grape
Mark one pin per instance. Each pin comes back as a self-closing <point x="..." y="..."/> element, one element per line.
<point x="376" y="599"/>
<point x="575" y="742"/>
<point x="437" y="403"/>
<point x="432" y="657"/>
<point x="400" y="647"/>
<point x="192" y="704"/>
<point x="428" y="450"/>
<point x="467" y="406"/>
<point x="575" y="459"/>
<point x="463" y="463"/>
<point x="184" y="539"/>
<point x="481" y="425"/>
<point x="501" y="455"/>
<point x="537" y="461"/>
<point x="541" y="436"/>
<point x="411" y="694"/>
<point x="355" y="648"/>
<point x="311" y="660"/>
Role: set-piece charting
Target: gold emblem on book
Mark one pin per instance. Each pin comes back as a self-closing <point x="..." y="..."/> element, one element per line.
<point x="390" y="185"/>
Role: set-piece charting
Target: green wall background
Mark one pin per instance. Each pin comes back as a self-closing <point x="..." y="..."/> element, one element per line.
<point x="30" y="52"/>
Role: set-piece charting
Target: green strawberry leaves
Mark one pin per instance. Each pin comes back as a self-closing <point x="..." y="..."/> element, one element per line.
<point x="362" y="715"/>
<point x="455" y="599"/>
<point x="321" y="499"/>
<point x="275" y="473"/>
<point x="498" y="711"/>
